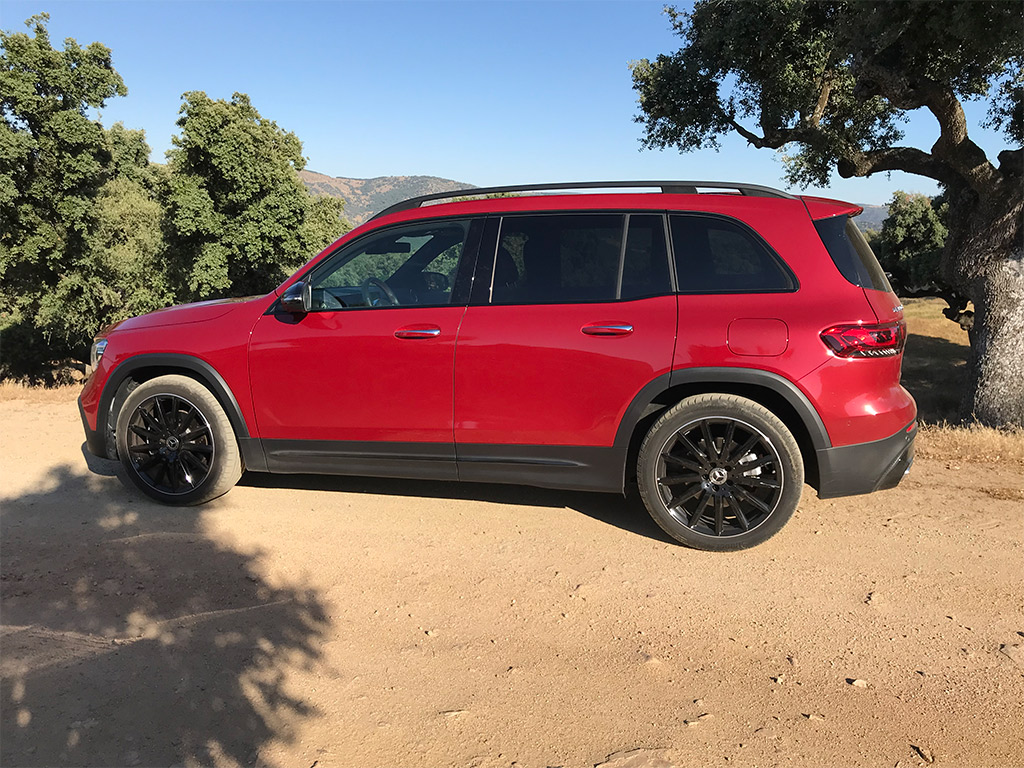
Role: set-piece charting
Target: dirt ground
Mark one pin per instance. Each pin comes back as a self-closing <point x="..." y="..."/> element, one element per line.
<point x="348" y="622"/>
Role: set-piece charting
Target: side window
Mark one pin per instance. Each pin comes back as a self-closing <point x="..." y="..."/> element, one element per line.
<point x="557" y="259"/>
<point x="576" y="258"/>
<point x="851" y="253"/>
<point x="645" y="262"/>
<point x="403" y="266"/>
<point x="718" y="256"/>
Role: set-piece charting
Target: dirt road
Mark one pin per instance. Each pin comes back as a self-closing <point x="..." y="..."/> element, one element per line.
<point x="348" y="622"/>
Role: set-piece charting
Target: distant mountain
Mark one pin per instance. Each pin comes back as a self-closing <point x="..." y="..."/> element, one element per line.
<point x="366" y="197"/>
<point x="872" y="217"/>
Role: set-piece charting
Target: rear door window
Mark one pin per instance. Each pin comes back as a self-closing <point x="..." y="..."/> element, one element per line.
<point x="645" y="261"/>
<point x="579" y="258"/>
<point x="716" y="255"/>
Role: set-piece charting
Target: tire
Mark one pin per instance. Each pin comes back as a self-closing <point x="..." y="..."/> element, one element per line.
<point x="720" y="472"/>
<point x="175" y="442"/>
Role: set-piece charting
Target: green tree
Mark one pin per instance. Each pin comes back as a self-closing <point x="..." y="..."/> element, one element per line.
<point x="122" y="273"/>
<point x="911" y="243"/>
<point x="54" y="159"/>
<point x="239" y="219"/>
<point x="832" y="81"/>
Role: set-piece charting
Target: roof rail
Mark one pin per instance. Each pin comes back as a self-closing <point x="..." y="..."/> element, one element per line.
<point x="667" y="187"/>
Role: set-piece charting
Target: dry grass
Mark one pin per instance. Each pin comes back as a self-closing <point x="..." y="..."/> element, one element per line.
<point x="971" y="443"/>
<point x="935" y="363"/>
<point x="12" y="390"/>
<point x="934" y="368"/>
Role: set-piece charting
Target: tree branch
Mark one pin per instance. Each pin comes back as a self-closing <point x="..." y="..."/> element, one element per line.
<point x="953" y="146"/>
<point x="1011" y="162"/>
<point x="819" y="107"/>
<point x="750" y="136"/>
<point x="772" y="139"/>
<point x="909" y="159"/>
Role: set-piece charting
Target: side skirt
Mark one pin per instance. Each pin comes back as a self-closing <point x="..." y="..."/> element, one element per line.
<point x="572" y="467"/>
<point x="426" y="461"/>
<point x="579" y="468"/>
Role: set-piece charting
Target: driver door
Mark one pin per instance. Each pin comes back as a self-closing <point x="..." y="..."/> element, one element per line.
<point x="363" y="383"/>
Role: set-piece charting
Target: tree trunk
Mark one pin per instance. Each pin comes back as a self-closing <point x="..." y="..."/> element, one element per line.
<point x="995" y="383"/>
<point x="984" y="259"/>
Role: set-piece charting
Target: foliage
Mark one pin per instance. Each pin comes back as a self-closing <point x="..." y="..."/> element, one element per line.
<point x="911" y="243"/>
<point x="874" y="238"/>
<point x="54" y="160"/>
<point x="836" y="78"/>
<point x="91" y="232"/>
<point x="239" y="219"/>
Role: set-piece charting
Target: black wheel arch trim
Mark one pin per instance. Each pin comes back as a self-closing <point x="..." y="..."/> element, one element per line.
<point x="724" y="375"/>
<point x="175" y="363"/>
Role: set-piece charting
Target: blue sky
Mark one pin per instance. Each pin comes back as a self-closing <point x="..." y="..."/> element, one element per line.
<point x="487" y="93"/>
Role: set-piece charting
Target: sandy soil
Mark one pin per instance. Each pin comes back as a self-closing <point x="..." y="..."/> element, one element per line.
<point x="349" y="622"/>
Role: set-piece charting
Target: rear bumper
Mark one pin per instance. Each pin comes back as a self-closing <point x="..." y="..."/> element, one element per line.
<point x="95" y="441"/>
<point x="865" y="467"/>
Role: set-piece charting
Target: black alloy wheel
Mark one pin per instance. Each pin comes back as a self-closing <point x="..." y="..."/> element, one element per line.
<point x="720" y="476"/>
<point x="176" y="443"/>
<point x="171" y="444"/>
<point x="720" y="472"/>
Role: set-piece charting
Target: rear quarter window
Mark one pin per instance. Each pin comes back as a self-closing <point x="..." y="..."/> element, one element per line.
<point x="717" y="255"/>
<point x="851" y="253"/>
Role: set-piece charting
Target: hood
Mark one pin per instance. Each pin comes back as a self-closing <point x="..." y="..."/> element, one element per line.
<point x="187" y="313"/>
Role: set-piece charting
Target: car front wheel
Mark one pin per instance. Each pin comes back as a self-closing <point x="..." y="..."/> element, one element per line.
<point x="176" y="443"/>
<point x="720" y="472"/>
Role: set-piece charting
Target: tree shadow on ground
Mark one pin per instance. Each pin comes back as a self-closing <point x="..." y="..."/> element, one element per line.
<point x="612" y="509"/>
<point x="131" y="638"/>
<point x="934" y="372"/>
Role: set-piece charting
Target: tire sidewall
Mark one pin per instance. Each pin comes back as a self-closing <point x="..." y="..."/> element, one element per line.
<point x="226" y="463"/>
<point x="720" y="406"/>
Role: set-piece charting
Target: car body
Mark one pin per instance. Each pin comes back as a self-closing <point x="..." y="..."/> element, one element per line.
<point x="561" y="340"/>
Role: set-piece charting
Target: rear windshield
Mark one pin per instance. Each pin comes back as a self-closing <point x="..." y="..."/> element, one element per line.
<point x="851" y="253"/>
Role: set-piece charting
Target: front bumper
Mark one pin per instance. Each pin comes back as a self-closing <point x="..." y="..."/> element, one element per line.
<point x="855" y="469"/>
<point x="95" y="440"/>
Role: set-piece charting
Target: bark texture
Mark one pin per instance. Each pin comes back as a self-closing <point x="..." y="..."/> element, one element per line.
<point x="984" y="259"/>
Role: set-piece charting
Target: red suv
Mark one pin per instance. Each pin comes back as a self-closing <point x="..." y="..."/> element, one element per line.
<point x="719" y="343"/>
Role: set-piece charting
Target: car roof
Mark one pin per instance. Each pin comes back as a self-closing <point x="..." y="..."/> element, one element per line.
<point x="516" y="190"/>
<point x="703" y="196"/>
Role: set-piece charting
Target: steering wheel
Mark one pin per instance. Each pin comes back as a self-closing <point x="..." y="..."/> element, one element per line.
<point x="383" y="287"/>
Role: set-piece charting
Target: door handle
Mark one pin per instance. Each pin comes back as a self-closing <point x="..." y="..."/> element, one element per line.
<point x="607" y="329"/>
<point x="418" y="332"/>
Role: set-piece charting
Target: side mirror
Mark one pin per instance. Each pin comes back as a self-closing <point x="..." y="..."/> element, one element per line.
<point x="297" y="299"/>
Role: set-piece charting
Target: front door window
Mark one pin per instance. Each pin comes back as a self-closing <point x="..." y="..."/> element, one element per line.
<point x="402" y="266"/>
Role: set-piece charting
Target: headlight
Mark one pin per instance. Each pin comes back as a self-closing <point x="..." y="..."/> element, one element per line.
<point x="96" y="353"/>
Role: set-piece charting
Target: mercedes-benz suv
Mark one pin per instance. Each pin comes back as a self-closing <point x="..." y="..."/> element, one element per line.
<point x="718" y="344"/>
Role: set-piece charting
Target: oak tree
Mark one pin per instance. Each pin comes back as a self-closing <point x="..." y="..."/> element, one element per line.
<point x="910" y="244"/>
<point x="54" y="159"/>
<point x="832" y="82"/>
<point x="239" y="219"/>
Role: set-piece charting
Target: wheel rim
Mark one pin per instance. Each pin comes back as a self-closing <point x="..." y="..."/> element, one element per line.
<point x="720" y="477"/>
<point x="170" y="444"/>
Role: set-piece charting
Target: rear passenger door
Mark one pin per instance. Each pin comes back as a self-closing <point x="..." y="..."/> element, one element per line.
<point x="572" y="315"/>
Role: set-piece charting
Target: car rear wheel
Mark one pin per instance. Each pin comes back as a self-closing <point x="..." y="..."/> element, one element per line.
<point x="176" y="443"/>
<point x="720" y="472"/>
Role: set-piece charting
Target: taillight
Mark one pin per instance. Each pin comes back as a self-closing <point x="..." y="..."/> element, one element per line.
<point x="879" y="340"/>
